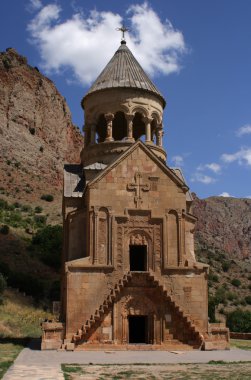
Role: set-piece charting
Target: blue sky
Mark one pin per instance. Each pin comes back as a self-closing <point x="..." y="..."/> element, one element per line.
<point x="198" y="53"/>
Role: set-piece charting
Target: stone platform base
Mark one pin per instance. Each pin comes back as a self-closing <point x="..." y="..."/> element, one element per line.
<point x="135" y="347"/>
<point x="216" y="345"/>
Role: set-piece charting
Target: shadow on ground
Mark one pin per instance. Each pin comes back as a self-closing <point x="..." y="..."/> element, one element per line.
<point x="33" y="343"/>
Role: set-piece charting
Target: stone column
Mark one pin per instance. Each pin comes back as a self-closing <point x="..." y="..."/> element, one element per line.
<point x="95" y="245"/>
<point x="147" y="122"/>
<point x="109" y="118"/>
<point x="165" y="237"/>
<point x="93" y="134"/>
<point x="180" y="238"/>
<point x="129" y="119"/>
<point x="124" y="329"/>
<point x="109" y="256"/>
<point x="159" y="135"/>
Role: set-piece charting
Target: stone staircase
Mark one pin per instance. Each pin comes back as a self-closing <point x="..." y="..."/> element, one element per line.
<point x="192" y="335"/>
<point x="82" y="334"/>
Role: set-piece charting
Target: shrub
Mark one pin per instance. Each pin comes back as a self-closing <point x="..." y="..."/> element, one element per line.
<point x="220" y="296"/>
<point x="41" y="149"/>
<point x="3" y="284"/>
<point x="249" y="277"/>
<point x="47" y="244"/>
<point x="47" y="197"/>
<point x="236" y="282"/>
<point x="40" y="220"/>
<point x="231" y="296"/>
<point x="3" y="205"/>
<point x="32" y="131"/>
<point x="38" y="209"/>
<point x="26" y="208"/>
<point x="225" y="266"/>
<point x="54" y="293"/>
<point x="243" y="302"/>
<point x="27" y="283"/>
<point x="4" y="229"/>
<point x="239" y="321"/>
<point x="248" y="300"/>
<point x="211" y="309"/>
<point x="213" y="277"/>
<point x="4" y="269"/>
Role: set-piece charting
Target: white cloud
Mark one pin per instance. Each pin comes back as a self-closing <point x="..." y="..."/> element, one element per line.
<point x="243" y="156"/>
<point x="34" y="5"/>
<point x="216" y="168"/>
<point x="85" y="43"/>
<point x="199" y="177"/>
<point x="245" y="130"/>
<point x="225" y="194"/>
<point x="178" y="160"/>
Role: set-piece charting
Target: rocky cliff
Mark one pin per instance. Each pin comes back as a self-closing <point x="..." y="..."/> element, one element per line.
<point x="224" y="224"/>
<point x="36" y="132"/>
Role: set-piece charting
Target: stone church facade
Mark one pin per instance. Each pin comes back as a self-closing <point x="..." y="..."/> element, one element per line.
<point x="130" y="276"/>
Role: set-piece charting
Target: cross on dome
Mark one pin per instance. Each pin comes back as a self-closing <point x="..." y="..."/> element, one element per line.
<point x="123" y="29"/>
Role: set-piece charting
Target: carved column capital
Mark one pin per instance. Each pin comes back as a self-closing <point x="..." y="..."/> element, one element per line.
<point x="109" y="116"/>
<point x="129" y="116"/>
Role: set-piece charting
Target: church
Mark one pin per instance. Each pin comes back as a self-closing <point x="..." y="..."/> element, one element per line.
<point x="130" y="277"/>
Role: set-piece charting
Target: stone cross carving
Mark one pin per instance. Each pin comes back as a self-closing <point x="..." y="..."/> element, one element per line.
<point x="138" y="187"/>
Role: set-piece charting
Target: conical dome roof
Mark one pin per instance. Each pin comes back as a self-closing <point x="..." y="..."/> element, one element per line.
<point x="124" y="71"/>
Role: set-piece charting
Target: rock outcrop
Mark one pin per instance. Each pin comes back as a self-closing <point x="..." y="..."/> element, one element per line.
<point x="224" y="224"/>
<point x="36" y="132"/>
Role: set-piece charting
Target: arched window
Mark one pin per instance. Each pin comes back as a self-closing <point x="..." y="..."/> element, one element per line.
<point x="119" y="126"/>
<point x="138" y="126"/>
<point x="101" y="129"/>
<point x="153" y="130"/>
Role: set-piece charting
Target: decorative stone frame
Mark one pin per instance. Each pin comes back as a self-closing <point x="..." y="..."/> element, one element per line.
<point x="138" y="222"/>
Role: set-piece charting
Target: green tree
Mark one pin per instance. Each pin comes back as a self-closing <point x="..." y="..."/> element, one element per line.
<point x="239" y="321"/>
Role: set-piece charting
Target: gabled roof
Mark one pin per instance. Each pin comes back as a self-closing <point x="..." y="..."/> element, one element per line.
<point x="124" y="71"/>
<point x="153" y="156"/>
<point x="73" y="180"/>
<point x="180" y="174"/>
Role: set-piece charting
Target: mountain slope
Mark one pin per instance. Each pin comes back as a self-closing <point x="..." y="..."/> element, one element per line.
<point x="37" y="135"/>
<point x="224" y="224"/>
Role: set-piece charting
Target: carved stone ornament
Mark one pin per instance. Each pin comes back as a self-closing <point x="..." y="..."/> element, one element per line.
<point x="138" y="187"/>
<point x="138" y="240"/>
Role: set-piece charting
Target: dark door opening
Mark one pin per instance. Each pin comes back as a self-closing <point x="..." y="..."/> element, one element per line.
<point x="138" y="258"/>
<point x="138" y="329"/>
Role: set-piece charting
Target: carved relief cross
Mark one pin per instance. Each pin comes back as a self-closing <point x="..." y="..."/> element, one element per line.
<point x="138" y="187"/>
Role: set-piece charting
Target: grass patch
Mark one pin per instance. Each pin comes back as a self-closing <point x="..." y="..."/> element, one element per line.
<point x="19" y="319"/>
<point x="214" y="370"/>
<point x="8" y="353"/>
<point x="240" y="343"/>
